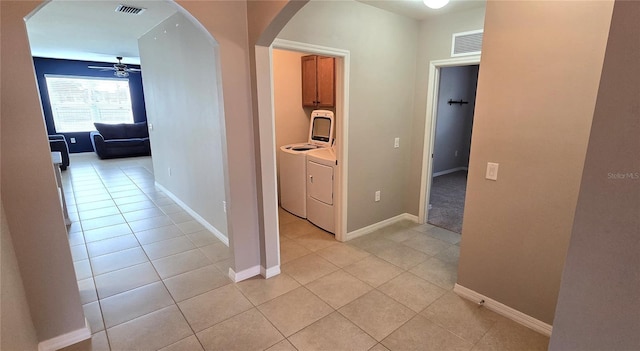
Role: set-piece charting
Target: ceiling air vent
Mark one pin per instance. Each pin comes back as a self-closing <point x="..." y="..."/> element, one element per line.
<point x="129" y="9"/>
<point x="467" y="43"/>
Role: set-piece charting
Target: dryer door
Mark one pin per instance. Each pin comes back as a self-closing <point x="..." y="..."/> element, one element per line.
<point x="320" y="182"/>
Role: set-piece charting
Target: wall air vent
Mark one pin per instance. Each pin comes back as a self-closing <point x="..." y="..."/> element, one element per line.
<point x="129" y="9"/>
<point x="467" y="43"/>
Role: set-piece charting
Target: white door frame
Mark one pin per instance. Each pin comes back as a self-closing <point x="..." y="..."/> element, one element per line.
<point x="430" y="126"/>
<point x="266" y="128"/>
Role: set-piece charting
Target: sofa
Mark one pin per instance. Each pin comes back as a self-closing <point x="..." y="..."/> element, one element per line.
<point x="59" y="143"/>
<point x="121" y="140"/>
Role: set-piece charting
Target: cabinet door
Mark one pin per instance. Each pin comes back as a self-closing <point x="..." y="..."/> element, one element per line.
<point x="326" y="81"/>
<point x="309" y="81"/>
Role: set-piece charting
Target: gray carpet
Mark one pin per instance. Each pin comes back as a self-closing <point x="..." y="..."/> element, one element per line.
<point x="447" y="200"/>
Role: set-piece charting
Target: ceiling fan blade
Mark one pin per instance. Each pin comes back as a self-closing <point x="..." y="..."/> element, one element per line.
<point x="133" y="69"/>
<point x="103" y="68"/>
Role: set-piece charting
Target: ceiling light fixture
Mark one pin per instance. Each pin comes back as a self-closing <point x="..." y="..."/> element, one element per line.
<point x="435" y="4"/>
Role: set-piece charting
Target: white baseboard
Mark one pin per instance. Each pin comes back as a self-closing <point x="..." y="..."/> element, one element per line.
<point x="269" y="272"/>
<point x="447" y="171"/>
<point x="67" y="339"/>
<point x="506" y="311"/>
<point x="371" y="228"/>
<point x="195" y="215"/>
<point x="244" y="275"/>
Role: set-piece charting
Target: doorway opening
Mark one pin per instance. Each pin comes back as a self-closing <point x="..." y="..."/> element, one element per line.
<point x="448" y="128"/>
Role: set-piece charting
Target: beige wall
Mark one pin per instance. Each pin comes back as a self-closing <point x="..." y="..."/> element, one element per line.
<point x="534" y="107"/>
<point x="16" y="328"/>
<point x="599" y="302"/>
<point x="382" y="49"/>
<point x="434" y="43"/>
<point x="29" y="193"/>
<point x="184" y="105"/>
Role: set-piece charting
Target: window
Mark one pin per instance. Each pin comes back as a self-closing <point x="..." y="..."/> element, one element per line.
<point x="77" y="102"/>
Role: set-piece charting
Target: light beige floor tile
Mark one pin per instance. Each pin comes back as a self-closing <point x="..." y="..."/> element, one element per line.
<point x="95" y="205"/>
<point x="125" y="193"/>
<point x="296" y="228"/>
<point x="423" y="227"/>
<point x="172" y="208"/>
<point x="285" y="217"/>
<point x="125" y="279"/>
<point x="244" y="332"/>
<point x="259" y="290"/>
<point x="427" y="244"/>
<point x="136" y="206"/>
<point x="216" y="251"/>
<point x="83" y="269"/>
<point x="342" y="255"/>
<point x="308" y="268"/>
<point x="316" y="239"/>
<point x="373" y="271"/>
<point x="163" y="201"/>
<point x="437" y="272"/>
<point x="189" y="344"/>
<point x="224" y="265"/>
<point x="450" y="255"/>
<point x="134" y="303"/>
<point x="462" y="318"/>
<point x="76" y="238"/>
<point x="411" y="291"/>
<point x="290" y="250"/>
<point x="97" y="213"/>
<point x="444" y="235"/>
<point x="379" y="347"/>
<point x="203" y="238"/>
<point x="168" y="247"/>
<point x="421" y="334"/>
<point x="402" y="256"/>
<point x="377" y="314"/>
<point x="92" y="198"/>
<point x="158" y="234"/>
<point x="180" y="263"/>
<point x="118" y="260"/>
<point x="93" y="314"/>
<point x="333" y="332"/>
<point x="192" y="226"/>
<point x="107" y="246"/>
<point x="294" y="310"/>
<point x="98" y="342"/>
<point x="79" y="252"/>
<point x="212" y="307"/>
<point x="338" y="288"/>
<point x="283" y="345"/>
<point x="150" y="223"/>
<point x="119" y="188"/>
<point x="106" y="232"/>
<point x="102" y="222"/>
<point x="180" y="217"/>
<point x="142" y="214"/>
<point x="372" y="243"/>
<point x="402" y="235"/>
<point x="509" y="335"/>
<point x="87" y="290"/>
<point x="130" y="199"/>
<point x="196" y="282"/>
<point x="150" y="332"/>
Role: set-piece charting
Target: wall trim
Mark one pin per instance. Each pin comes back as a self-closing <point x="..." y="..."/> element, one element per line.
<point x="452" y="170"/>
<point x="67" y="339"/>
<point x="269" y="272"/>
<point x="244" y="275"/>
<point x="504" y="310"/>
<point x="371" y="228"/>
<point x="195" y="215"/>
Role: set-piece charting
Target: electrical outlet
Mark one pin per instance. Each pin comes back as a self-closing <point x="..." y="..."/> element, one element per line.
<point x="150" y="125"/>
<point x="396" y="143"/>
<point x="169" y="171"/>
<point x="492" y="171"/>
<point x="377" y="196"/>
<point x="72" y="140"/>
<point x="224" y="206"/>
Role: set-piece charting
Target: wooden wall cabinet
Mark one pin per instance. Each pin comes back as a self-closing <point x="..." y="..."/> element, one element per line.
<point x="318" y="81"/>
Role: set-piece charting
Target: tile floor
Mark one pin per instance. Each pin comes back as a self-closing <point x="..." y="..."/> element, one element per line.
<point x="152" y="278"/>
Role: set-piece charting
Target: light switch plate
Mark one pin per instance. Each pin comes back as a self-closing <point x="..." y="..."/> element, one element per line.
<point x="396" y="143"/>
<point x="492" y="171"/>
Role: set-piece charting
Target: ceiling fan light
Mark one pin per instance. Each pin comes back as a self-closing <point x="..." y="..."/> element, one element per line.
<point x="121" y="74"/>
<point x="435" y="4"/>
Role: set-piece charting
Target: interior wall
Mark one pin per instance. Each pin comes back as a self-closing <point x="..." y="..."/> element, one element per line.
<point x="15" y="321"/>
<point x="45" y="66"/>
<point x="534" y="109"/>
<point x="29" y="193"/>
<point x="181" y="75"/>
<point x="434" y="43"/>
<point x="598" y="303"/>
<point x="454" y="121"/>
<point x="380" y="98"/>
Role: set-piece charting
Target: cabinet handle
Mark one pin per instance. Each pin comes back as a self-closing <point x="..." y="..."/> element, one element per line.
<point x="311" y="178"/>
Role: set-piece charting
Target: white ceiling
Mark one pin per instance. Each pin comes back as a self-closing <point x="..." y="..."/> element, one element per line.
<point x="93" y="31"/>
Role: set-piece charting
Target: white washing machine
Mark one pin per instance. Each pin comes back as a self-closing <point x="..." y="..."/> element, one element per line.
<point x="321" y="170"/>
<point x="293" y="162"/>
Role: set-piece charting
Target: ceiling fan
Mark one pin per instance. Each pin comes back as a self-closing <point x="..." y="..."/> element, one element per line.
<point x="121" y="70"/>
